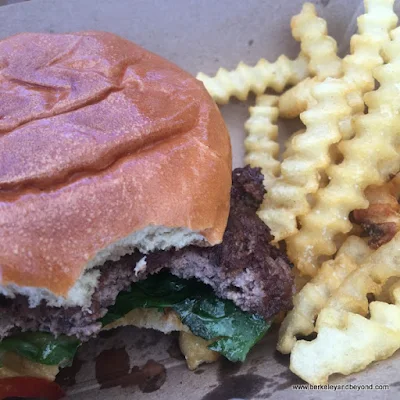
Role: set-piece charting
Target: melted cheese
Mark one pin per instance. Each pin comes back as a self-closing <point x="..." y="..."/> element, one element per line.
<point x="195" y="350"/>
<point x="15" y="365"/>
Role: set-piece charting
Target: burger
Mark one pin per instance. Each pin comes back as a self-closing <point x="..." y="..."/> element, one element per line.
<point x="118" y="206"/>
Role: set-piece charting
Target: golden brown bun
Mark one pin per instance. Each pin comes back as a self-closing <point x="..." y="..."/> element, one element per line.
<point x="100" y="138"/>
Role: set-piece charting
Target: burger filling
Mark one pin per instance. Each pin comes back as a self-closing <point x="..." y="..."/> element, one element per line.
<point x="225" y="294"/>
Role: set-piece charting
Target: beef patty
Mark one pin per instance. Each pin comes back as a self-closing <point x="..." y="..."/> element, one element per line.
<point x="245" y="268"/>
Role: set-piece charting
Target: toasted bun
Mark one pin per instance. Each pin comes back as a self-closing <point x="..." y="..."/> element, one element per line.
<point x="104" y="148"/>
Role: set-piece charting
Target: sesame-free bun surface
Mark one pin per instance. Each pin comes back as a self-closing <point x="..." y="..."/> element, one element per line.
<point x="101" y="141"/>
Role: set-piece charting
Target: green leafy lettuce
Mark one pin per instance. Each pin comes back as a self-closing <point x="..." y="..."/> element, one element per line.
<point x="234" y="331"/>
<point x="42" y="347"/>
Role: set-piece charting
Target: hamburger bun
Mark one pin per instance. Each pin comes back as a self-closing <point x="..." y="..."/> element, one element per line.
<point x="105" y="148"/>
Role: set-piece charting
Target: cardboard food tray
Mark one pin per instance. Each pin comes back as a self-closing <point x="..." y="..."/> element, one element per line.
<point x="199" y="36"/>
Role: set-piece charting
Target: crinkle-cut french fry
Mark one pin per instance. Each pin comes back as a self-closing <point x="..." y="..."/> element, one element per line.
<point x="315" y="294"/>
<point x="261" y="144"/>
<point x="323" y="179"/>
<point x="288" y="144"/>
<point x="346" y="125"/>
<point x="373" y="33"/>
<point x="348" y="342"/>
<point x="381" y="220"/>
<point x="244" y="79"/>
<point x="297" y="99"/>
<point x="370" y="277"/>
<point x="307" y="28"/>
<point x="287" y="198"/>
<point x="369" y="158"/>
<point x="374" y="27"/>
<point x="312" y="32"/>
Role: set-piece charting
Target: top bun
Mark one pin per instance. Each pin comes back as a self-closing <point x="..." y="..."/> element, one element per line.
<point x="104" y="148"/>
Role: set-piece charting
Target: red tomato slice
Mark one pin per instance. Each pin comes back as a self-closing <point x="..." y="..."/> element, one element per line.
<point x="25" y="386"/>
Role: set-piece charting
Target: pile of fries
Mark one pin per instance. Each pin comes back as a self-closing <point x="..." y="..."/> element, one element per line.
<point x="333" y="197"/>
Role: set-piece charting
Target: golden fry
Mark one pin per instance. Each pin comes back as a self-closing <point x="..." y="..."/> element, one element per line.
<point x="287" y="198"/>
<point x="321" y="49"/>
<point x="369" y="158"/>
<point x="348" y="342"/>
<point x="288" y="144"/>
<point x="327" y="120"/>
<point x="374" y="27"/>
<point x="315" y="294"/>
<point x="312" y="32"/>
<point x="297" y="99"/>
<point x="244" y="79"/>
<point x="261" y="143"/>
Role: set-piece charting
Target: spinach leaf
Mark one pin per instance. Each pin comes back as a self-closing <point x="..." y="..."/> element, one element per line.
<point x="235" y="332"/>
<point x="42" y="347"/>
<point x="157" y="291"/>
